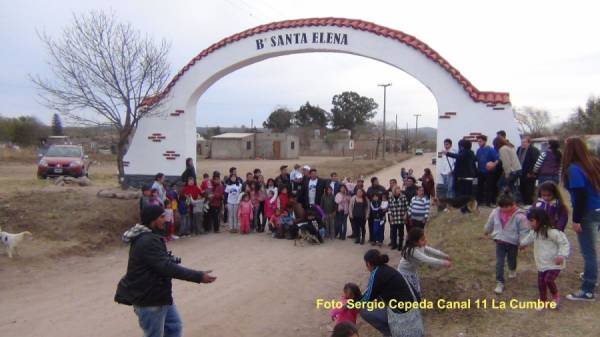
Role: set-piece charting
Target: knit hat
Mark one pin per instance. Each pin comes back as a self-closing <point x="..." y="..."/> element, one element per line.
<point x="151" y="213"/>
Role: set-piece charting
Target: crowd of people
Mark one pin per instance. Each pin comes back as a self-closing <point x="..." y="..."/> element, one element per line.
<point x="291" y="202"/>
<point x="521" y="185"/>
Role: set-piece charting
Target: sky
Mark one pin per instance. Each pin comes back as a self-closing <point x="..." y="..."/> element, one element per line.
<point x="544" y="53"/>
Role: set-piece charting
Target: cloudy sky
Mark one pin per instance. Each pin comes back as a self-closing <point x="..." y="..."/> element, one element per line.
<point x="545" y="53"/>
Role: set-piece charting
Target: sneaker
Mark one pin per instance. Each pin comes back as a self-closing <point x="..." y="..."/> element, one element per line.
<point x="556" y="301"/>
<point x="499" y="288"/>
<point x="580" y="295"/>
<point x="174" y="237"/>
<point x="512" y="274"/>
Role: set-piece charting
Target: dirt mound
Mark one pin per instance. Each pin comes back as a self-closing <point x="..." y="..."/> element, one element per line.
<point x="68" y="221"/>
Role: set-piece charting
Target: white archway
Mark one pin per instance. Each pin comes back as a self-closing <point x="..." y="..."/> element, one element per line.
<point x="163" y="141"/>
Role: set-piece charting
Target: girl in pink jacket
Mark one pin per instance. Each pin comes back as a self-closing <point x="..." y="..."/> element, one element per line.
<point x="245" y="214"/>
<point x="343" y="314"/>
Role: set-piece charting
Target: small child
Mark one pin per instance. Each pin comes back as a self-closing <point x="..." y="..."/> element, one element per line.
<point x="275" y="225"/>
<point x="418" y="212"/>
<point x="205" y="184"/>
<point x="169" y="222"/>
<point x="506" y="225"/>
<point x="186" y="215"/>
<point x="551" y="200"/>
<point x="415" y="253"/>
<point x="269" y="205"/>
<point x="172" y="196"/>
<point x="377" y="216"/>
<point x="550" y="250"/>
<point x="154" y="199"/>
<point x="145" y="198"/>
<point x="199" y="207"/>
<point x="283" y="197"/>
<point x="245" y="213"/>
<point x="329" y="207"/>
<point x="343" y="314"/>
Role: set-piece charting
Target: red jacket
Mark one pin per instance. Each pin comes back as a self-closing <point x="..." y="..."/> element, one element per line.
<point x="192" y="191"/>
<point x="217" y="195"/>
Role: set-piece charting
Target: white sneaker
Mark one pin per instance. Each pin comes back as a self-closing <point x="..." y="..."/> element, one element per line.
<point x="174" y="237"/>
<point x="512" y="274"/>
<point x="499" y="288"/>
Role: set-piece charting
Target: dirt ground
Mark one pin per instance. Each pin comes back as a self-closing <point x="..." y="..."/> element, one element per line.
<point x="269" y="287"/>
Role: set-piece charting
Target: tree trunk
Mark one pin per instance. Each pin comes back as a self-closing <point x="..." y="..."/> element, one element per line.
<point x="121" y="151"/>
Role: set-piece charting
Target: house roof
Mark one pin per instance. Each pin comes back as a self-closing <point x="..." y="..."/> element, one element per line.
<point x="489" y="97"/>
<point x="232" y="135"/>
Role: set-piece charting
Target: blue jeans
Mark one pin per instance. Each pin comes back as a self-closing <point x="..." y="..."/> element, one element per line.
<point x="448" y="181"/>
<point x="510" y="182"/>
<point x="543" y="179"/>
<point x="160" y="321"/>
<point x="587" y="246"/>
<point x="508" y="252"/>
<point x="378" y="319"/>
<point x="341" y="223"/>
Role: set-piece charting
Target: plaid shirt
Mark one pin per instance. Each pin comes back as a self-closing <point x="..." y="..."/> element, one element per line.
<point x="398" y="209"/>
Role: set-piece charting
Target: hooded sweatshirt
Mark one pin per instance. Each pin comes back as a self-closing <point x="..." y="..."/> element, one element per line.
<point x="515" y="227"/>
<point x="149" y="270"/>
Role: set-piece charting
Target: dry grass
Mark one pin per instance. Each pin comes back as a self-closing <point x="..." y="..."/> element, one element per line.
<point x="472" y="277"/>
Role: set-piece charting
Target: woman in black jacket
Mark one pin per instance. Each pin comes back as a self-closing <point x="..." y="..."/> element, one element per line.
<point x="465" y="170"/>
<point x="190" y="171"/>
<point x="386" y="284"/>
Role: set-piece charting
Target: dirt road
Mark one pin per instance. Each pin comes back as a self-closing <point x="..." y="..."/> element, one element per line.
<point x="265" y="287"/>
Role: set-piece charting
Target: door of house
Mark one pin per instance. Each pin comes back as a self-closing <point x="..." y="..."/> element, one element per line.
<point x="276" y="150"/>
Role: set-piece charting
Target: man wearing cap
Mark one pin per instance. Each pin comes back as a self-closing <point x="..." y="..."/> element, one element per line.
<point x="147" y="284"/>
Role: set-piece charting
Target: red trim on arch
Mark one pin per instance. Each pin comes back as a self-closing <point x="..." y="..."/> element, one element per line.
<point x="489" y="97"/>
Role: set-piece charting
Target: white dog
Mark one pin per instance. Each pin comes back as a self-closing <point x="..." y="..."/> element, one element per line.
<point x="11" y="241"/>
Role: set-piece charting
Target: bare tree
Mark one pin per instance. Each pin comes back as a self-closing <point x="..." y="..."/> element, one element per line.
<point x="533" y="121"/>
<point x="105" y="72"/>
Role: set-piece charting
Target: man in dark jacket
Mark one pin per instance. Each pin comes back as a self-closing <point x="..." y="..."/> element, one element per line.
<point x="147" y="283"/>
<point x="528" y="156"/>
<point x="312" y="190"/>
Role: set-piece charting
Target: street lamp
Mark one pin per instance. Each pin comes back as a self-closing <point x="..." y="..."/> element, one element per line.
<point x="384" y="101"/>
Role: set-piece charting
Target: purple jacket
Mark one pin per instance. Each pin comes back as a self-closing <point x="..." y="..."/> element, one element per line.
<point x="557" y="213"/>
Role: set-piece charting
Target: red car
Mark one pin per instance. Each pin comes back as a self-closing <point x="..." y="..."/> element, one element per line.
<point x="66" y="160"/>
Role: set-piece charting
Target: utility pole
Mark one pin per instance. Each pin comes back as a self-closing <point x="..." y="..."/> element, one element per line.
<point x="416" y="127"/>
<point x="406" y="135"/>
<point x="396" y="133"/>
<point x="384" y="98"/>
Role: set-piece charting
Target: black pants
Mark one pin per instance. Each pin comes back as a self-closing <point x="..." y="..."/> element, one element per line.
<point x="213" y="216"/>
<point x="486" y="188"/>
<point x="527" y="189"/>
<point x="397" y="235"/>
<point x="417" y="223"/>
<point x="463" y="187"/>
<point x="358" y="227"/>
<point x="371" y="230"/>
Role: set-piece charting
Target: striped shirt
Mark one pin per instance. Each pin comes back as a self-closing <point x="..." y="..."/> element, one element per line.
<point x="419" y="208"/>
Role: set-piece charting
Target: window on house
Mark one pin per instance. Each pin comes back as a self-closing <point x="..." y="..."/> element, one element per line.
<point x="248" y="145"/>
<point x="292" y="145"/>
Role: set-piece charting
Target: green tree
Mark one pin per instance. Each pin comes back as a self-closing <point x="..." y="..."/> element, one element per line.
<point x="24" y="130"/>
<point x="584" y="120"/>
<point x="310" y="116"/>
<point x="279" y="120"/>
<point x="351" y="110"/>
<point x="214" y="131"/>
<point x="57" y="128"/>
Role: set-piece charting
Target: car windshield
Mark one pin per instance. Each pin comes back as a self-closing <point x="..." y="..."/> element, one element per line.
<point x="60" y="151"/>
